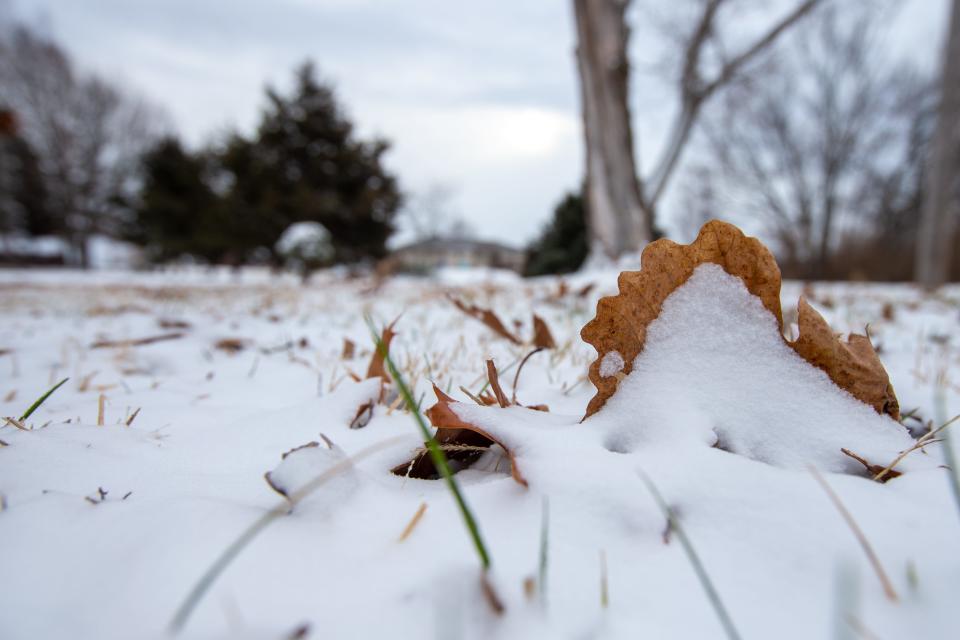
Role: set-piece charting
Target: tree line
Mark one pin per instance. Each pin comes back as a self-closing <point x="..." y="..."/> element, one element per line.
<point x="80" y="157"/>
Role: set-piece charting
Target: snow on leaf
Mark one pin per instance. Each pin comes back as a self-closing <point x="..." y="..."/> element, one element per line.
<point x="621" y="323"/>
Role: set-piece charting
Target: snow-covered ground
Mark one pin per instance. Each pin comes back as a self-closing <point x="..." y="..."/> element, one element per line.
<point x="106" y="528"/>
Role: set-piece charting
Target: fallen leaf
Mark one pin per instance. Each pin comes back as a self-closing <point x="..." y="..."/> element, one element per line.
<point x="376" y="367"/>
<point x="487" y="317"/>
<point x="542" y="337"/>
<point x="348" y="349"/>
<point x="853" y="364"/>
<point x="462" y="441"/>
<point x="618" y="332"/>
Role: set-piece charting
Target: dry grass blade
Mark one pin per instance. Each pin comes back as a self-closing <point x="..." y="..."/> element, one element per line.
<point x="133" y="416"/>
<point x="413" y="522"/>
<point x="516" y="376"/>
<point x="858" y="533"/>
<point x="100" y="406"/>
<point x="495" y="384"/>
<point x="674" y="525"/>
<point x="927" y="438"/>
<point x="136" y="342"/>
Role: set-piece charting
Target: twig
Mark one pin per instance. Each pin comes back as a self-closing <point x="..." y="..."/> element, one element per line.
<point x="858" y="533"/>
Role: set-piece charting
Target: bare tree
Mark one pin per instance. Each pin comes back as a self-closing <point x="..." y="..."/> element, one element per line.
<point x="622" y="207"/>
<point x="86" y="133"/>
<point x="804" y="147"/>
<point x="936" y="236"/>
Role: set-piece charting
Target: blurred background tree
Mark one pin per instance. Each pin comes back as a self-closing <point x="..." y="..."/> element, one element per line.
<point x="826" y="148"/>
<point x="563" y="245"/>
<point x="77" y="143"/>
<point x="231" y="204"/>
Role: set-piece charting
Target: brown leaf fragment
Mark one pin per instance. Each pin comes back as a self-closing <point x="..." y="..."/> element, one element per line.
<point x="585" y="290"/>
<point x="619" y="329"/>
<point x="376" y="367"/>
<point x="453" y="432"/>
<point x="137" y="342"/>
<point x="876" y="471"/>
<point x="542" y="338"/>
<point x="231" y="345"/>
<point x="363" y="416"/>
<point x="490" y="595"/>
<point x="170" y="323"/>
<point x="348" y="349"/>
<point x="487" y="317"/>
<point x="494" y="379"/>
<point x="853" y="364"/>
<point x="621" y="322"/>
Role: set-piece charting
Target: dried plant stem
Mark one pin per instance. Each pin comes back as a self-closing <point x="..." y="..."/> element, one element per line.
<point x="516" y="377"/>
<point x="234" y="548"/>
<point x="100" y="402"/>
<point x="674" y="524"/>
<point x="927" y="438"/>
<point x="858" y="533"/>
<point x="544" y="549"/>
<point x="413" y="522"/>
<point x="604" y="583"/>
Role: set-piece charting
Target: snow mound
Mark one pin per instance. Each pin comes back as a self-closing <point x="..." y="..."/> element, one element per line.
<point x="715" y="370"/>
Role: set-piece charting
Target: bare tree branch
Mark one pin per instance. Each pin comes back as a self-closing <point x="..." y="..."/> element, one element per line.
<point x="694" y="93"/>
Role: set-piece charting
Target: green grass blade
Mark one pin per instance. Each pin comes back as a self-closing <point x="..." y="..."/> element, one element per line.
<point x="42" y="399"/>
<point x="433" y="448"/>
<point x="234" y="548"/>
<point x="544" y="549"/>
<point x="712" y="594"/>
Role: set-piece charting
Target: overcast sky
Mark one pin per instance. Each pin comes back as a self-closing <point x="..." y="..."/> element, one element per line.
<point x="480" y="97"/>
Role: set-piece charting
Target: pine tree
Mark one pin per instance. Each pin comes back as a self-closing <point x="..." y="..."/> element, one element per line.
<point x="306" y="165"/>
<point x="563" y="246"/>
<point x="179" y="214"/>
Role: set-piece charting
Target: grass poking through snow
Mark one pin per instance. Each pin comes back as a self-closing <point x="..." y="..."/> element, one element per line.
<point x="42" y="399"/>
<point x="233" y="550"/>
<point x="712" y="594"/>
<point x="433" y="448"/>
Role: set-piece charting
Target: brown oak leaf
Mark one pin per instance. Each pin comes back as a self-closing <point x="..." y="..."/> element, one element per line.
<point x="621" y="322"/>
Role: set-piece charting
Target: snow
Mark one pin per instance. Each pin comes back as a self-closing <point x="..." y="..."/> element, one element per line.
<point x="186" y="478"/>
<point x="611" y="363"/>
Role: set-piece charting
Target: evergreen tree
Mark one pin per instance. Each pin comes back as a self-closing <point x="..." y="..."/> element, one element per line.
<point x="306" y="165"/>
<point x="562" y="247"/>
<point x="179" y="214"/>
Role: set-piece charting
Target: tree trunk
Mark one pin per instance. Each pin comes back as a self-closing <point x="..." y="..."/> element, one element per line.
<point x="617" y="220"/>
<point x="936" y="234"/>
